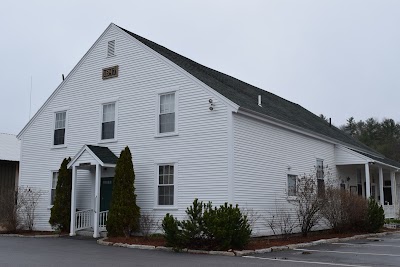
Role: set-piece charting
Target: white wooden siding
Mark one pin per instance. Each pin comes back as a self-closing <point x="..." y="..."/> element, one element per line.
<point x="200" y="148"/>
<point x="345" y="156"/>
<point x="262" y="156"/>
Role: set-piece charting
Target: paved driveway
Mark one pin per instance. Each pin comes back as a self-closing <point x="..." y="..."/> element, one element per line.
<point x="384" y="251"/>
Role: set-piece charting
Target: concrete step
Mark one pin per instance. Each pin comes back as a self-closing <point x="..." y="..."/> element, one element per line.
<point x="89" y="233"/>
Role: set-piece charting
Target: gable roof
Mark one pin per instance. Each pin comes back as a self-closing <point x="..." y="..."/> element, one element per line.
<point x="10" y="147"/>
<point x="246" y="96"/>
<point x="104" y="154"/>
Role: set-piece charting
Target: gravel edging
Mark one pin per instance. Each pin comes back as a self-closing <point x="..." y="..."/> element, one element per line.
<point x="240" y="253"/>
<point x="31" y="236"/>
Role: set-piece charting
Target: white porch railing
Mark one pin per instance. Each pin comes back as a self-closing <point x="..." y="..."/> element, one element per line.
<point x="83" y="219"/>
<point x="390" y="211"/>
<point x="103" y="216"/>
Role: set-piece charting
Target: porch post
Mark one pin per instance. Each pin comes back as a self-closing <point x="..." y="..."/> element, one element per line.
<point x="382" y="199"/>
<point x="96" y="202"/>
<point x="367" y="182"/>
<point x="73" y="202"/>
<point x="394" y="189"/>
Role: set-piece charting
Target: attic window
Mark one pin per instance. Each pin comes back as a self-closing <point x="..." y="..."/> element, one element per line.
<point x="111" y="48"/>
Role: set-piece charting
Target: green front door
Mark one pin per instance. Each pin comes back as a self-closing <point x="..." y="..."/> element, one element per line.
<point x="105" y="193"/>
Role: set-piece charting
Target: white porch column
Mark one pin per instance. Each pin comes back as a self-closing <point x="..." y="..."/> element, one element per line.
<point x="367" y="182"/>
<point x="394" y="189"/>
<point x="73" y="202"/>
<point x="96" y="202"/>
<point x="382" y="199"/>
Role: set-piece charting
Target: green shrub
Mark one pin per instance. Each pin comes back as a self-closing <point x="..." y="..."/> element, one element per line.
<point x="60" y="217"/>
<point x="219" y="228"/>
<point x="172" y="233"/>
<point x="226" y="226"/>
<point x="376" y="216"/>
<point x="124" y="214"/>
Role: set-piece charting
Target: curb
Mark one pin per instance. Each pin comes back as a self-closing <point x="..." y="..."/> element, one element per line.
<point x="31" y="236"/>
<point x="240" y="253"/>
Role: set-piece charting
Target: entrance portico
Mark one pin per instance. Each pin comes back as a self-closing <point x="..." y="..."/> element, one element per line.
<point x="97" y="160"/>
<point x="369" y="176"/>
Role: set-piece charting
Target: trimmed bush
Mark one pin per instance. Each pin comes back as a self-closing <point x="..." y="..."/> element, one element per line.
<point x="219" y="228"/>
<point x="60" y="218"/>
<point x="376" y="216"/>
<point x="124" y="214"/>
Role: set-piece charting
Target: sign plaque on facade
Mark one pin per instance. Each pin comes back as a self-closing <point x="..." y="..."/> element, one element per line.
<point x="110" y="72"/>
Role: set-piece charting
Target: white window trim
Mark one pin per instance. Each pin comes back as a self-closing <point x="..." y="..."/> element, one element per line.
<point x="166" y="207"/>
<point x="65" y="109"/>
<point x="102" y="103"/>
<point x="157" y="111"/>
<point x="287" y="185"/>
<point x="51" y="187"/>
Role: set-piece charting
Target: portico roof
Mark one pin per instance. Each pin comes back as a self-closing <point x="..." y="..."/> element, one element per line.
<point x="98" y="155"/>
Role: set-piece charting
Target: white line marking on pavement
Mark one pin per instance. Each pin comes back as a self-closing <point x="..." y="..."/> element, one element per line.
<point x="308" y="262"/>
<point x="347" y="252"/>
<point x="370" y="245"/>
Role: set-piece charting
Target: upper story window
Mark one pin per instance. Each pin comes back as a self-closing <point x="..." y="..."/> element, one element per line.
<point x="166" y="186"/>
<point x="320" y="178"/>
<point x="166" y="116"/>
<point x="292" y="185"/>
<point x="108" y="121"/>
<point x="54" y="180"/>
<point x="59" y="128"/>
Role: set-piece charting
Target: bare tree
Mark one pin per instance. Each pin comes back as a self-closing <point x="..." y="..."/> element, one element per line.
<point x="252" y="215"/>
<point x="28" y="200"/>
<point x="148" y="224"/>
<point x="282" y="221"/>
<point x="9" y="211"/>
<point x="308" y="202"/>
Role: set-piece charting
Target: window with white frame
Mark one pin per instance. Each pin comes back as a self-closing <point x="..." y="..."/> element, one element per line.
<point x="59" y="128"/>
<point x="166" y="116"/>
<point x="320" y="178"/>
<point x="54" y="180"/>
<point x="108" y="121"/>
<point x="166" y="185"/>
<point x="291" y="185"/>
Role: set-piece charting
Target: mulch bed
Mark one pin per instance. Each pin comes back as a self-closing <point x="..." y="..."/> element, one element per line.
<point x="255" y="242"/>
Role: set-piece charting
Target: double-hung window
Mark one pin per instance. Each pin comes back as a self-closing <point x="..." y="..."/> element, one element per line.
<point x="108" y="121"/>
<point x="292" y="185"/>
<point x="54" y="180"/>
<point x="320" y="178"/>
<point x="166" y="188"/>
<point x="166" y="115"/>
<point x="59" y="128"/>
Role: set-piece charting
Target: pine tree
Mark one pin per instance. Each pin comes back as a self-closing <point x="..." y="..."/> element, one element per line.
<point x="60" y="217"/>
<point x="123" y="217"/>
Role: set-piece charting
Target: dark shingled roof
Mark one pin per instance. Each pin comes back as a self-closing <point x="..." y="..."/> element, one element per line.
<point x="104" y="154"/>
<point x="246" y="96"/>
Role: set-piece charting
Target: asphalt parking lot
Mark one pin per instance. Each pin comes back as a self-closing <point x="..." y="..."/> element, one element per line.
<point x="382" y="251"/>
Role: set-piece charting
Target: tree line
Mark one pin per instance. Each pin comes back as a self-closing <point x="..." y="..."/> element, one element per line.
<point x="383" y="136"/>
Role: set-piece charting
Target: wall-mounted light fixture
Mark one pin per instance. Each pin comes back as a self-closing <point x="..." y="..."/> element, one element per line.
<point x="211" y="102"/>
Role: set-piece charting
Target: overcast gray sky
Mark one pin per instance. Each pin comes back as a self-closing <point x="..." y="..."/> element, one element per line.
<point x="339" y="58"/>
